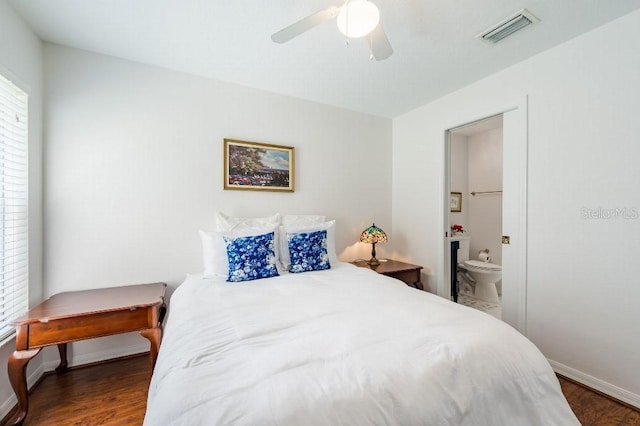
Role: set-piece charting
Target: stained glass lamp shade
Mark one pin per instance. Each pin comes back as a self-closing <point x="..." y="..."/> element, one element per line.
<point x="373" y="235"/>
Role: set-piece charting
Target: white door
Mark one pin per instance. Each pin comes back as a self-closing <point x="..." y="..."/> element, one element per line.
<point x="514" y="217"/>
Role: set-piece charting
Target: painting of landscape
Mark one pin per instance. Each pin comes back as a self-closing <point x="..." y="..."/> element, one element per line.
<point x="258" y="166"/>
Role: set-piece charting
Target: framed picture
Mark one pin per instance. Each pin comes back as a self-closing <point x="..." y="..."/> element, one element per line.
<point x="455" y="201"/>
<point x="257" y="166"/>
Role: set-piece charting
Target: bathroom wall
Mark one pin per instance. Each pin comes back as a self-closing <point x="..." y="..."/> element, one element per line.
<point x="476" y="165"/>
<point x="459" y="177"/>
<point x="485" y="210"/>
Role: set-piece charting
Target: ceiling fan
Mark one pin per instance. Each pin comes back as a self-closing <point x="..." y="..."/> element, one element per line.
<point x="355" y="19"/>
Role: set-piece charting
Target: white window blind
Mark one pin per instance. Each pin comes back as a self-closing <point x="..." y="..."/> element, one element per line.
<point x="14" y="249"/>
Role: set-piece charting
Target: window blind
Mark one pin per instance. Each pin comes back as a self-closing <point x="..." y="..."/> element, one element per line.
<point x="14" y="248"/>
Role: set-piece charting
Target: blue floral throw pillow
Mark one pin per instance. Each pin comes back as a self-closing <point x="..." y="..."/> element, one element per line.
<point x="251" y="257"/>
<point x="308" y="251"/>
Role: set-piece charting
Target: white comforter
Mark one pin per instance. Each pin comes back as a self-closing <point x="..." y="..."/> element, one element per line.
<point x="344" y="346"/>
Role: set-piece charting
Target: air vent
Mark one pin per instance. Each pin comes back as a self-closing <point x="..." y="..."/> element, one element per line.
<point x="508" y="26"/>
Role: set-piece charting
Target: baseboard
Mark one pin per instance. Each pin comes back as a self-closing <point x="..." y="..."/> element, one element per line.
<point x="597" y="384"/>
<point x="10" y="403"/>
<point x="91" y="357"/>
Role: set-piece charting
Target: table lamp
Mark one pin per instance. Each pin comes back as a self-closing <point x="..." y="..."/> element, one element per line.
<point x="373" y="235"/>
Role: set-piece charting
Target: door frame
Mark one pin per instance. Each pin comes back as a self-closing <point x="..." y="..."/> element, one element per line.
<point x="515" y="122"/>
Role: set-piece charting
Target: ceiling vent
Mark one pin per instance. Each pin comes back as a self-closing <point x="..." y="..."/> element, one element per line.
<point x="508" y="26"/>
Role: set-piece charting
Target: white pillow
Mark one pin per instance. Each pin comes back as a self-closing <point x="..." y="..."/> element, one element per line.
<point x="233" y="223"/>
<point x="214" y="249"/>
<point x="329" y="226"/>
<point x="302" y="219"/>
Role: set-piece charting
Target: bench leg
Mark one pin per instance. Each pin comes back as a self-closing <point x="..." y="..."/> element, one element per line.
<point x="155" y="336"/>
<point x="62" y="350"/>
<point x="17" y="368"/>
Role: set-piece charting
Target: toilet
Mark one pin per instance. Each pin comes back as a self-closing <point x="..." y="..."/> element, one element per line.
<point x="481" y="275"/>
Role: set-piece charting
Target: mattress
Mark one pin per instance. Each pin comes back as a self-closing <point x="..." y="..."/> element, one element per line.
<point x="344" y="346"/>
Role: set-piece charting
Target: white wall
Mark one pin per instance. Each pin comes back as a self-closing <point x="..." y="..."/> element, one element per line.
<point x="134" y="158"/>
<point x="582" y="161"/>
<point x="21" y="62"/>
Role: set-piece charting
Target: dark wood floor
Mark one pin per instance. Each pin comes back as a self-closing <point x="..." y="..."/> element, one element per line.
<point x="115" y="393"/>
<point x="591" y="408"/>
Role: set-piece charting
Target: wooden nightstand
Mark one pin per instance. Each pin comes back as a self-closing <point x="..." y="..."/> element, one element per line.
<point x="406" y="272"/>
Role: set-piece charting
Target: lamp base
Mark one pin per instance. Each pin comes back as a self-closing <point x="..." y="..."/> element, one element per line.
<point x="373" y="262"/>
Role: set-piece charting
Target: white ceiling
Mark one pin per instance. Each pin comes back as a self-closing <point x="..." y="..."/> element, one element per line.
<point x="436" y="51"/>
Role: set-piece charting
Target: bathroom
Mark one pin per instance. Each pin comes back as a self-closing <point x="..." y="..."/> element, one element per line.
<point x="476" y="173"/>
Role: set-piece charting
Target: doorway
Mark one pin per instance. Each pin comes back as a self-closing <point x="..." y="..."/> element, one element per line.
<point x="476" y="222"/>
<point x="511" y="249"/>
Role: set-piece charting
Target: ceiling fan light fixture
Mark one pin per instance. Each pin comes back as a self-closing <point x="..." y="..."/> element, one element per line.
<point x="357" y="18"/>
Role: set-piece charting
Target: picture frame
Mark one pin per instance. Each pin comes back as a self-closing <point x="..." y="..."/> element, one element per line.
<point x="255" y="166"/>
<point x="455" y="201"/>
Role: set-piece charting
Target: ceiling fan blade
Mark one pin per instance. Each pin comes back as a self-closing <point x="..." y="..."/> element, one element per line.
<point x="380" y="46"/>
<point x="305" y="24"/>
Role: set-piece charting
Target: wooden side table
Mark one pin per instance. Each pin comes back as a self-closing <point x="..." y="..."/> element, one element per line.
<point x="406" y="272"/>
<point x="78" y="315"/>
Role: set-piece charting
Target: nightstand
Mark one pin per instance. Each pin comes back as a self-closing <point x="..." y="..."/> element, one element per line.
<point x="406" y="272"/>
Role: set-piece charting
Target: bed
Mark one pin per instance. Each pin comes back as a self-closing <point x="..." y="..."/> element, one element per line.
<point x="343" y="346"/>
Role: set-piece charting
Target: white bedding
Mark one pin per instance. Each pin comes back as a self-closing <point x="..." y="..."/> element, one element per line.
<point x="345" y="346"/>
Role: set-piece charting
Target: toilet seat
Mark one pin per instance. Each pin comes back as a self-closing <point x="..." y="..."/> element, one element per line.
<point x="482" y="266"/>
